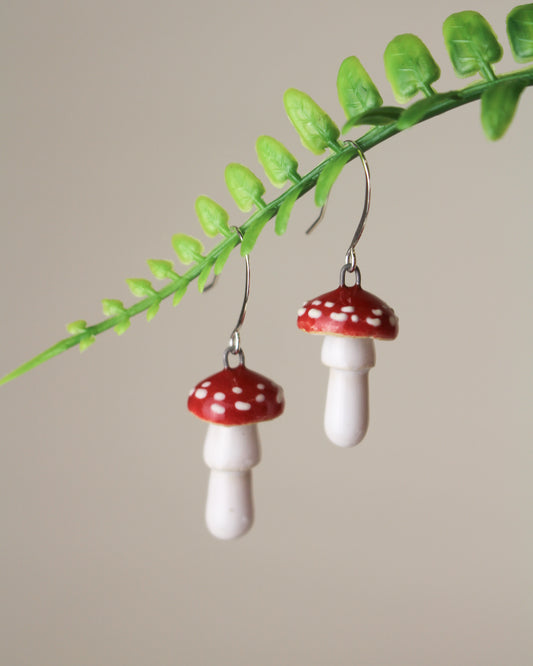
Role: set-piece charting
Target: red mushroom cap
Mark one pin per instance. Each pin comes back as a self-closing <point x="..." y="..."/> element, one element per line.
<point x="236" y="396"/>
<point x="349" y="311"/>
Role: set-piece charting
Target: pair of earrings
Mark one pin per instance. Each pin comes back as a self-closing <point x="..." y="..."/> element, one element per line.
<point x="236" y="399"/>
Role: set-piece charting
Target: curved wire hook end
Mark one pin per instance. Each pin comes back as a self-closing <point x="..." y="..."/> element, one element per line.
<point x="319" y="218"/>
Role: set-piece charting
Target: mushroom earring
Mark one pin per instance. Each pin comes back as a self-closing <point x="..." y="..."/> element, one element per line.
<point x="350" y="318"/>
<point x="233" y="401"/>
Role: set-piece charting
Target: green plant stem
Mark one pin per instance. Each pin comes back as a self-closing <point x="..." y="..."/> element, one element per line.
<point x="372" y="138"/>
<point x="295" y="178"/>
<point x="487" y="72"/>
<point x="427" y="90"/>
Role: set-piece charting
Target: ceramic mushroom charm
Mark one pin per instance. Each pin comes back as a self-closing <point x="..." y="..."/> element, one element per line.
<point x="233" y="401"/>
<point x="349" y="317"/>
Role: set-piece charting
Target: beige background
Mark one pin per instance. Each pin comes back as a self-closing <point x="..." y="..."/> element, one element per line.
<point x="412" y="549"/>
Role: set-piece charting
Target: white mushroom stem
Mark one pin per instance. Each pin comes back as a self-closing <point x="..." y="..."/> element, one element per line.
<point x="346" y="414"/>
<point x="230" y="452"/>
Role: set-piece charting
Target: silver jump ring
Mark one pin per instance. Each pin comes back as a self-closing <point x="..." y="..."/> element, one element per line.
<point x="347" y="269"/>
<point x="238" y="353"/>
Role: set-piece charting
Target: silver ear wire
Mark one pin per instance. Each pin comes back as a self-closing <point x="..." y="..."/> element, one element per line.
<point x="234" y="346"/>
<point x="349" y="261"/>
<point x="366" y="205"/>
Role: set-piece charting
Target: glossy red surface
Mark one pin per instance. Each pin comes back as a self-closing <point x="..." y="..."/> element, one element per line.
<point x="236" y="396"/>
<point x="349" y="311"/>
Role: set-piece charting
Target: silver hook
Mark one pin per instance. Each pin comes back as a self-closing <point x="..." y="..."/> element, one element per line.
<point x="234" y="346"/>
<point x="350" y="253"/>
<point x="320" y="216"/>
<point x="211" y="284"/>
<point x="350" y="263"/>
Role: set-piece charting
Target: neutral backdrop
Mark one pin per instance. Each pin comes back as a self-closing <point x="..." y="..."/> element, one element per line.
<point x="414" y="548"/>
